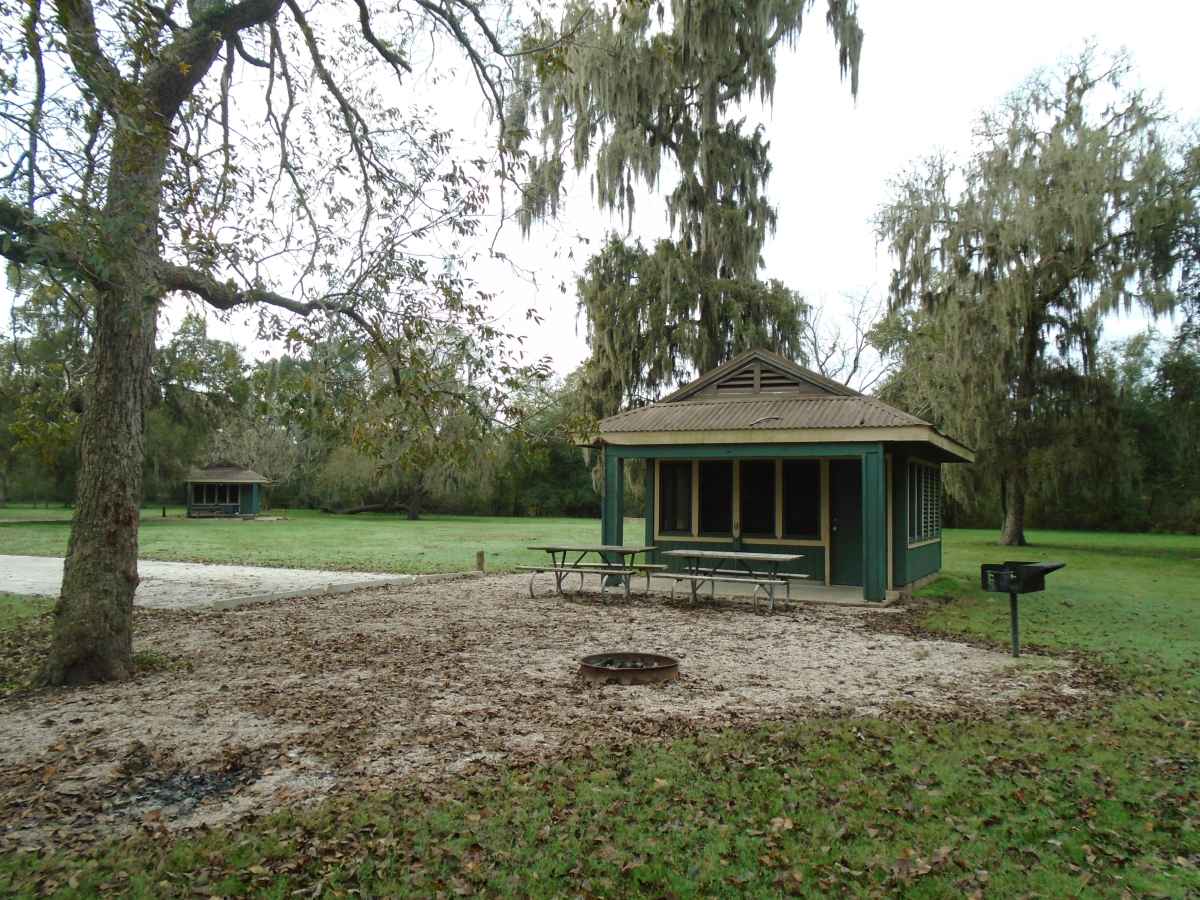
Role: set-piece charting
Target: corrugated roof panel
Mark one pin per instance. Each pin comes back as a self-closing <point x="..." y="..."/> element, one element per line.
<point x="808" y="411"/>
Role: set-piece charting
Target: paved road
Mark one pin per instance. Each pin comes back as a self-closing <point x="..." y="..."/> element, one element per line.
<point x="176" y="585"/>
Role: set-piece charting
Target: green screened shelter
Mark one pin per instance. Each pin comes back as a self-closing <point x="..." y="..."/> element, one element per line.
<point x="760" y="454"/>
<point x="224" y="489"/>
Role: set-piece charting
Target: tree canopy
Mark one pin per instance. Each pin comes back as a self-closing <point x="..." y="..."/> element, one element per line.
<point x="654" y="92"/>
<point x="1072" y="205"/>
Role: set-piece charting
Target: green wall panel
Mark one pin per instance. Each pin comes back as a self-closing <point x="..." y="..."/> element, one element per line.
<point x="924" y="560"/>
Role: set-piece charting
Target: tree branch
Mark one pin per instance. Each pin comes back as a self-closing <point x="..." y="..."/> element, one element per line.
<point x="78" y="21"/>
<point x="27" y="240"/>
<point x="396" y="60"/>
<point x="226" y="296"/>
<point x="185" y="61"/>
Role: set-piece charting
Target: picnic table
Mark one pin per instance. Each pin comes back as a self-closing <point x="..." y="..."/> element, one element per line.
<point x="613" y="561"/>
<point x="736" y="567"/>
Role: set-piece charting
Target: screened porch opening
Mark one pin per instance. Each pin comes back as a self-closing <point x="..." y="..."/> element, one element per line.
<point x="765" y="499"/>
<point x="675" y="503"/>
<point x="802" y="499"/>
<point x="716" y="499"/>
<point x="758" y="498"/>
<point x="214" y="494"/>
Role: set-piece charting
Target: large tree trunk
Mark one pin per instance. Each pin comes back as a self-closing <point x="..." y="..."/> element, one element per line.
<point x="1013" y="532"/>
<point x="93" y="620"/>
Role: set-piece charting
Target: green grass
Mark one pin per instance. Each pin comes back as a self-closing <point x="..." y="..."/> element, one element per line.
<point x="1100" y="798"/>
<point x="312" y="540"/>
<point x="19" y="511"/>
<point x="19" y="608"/>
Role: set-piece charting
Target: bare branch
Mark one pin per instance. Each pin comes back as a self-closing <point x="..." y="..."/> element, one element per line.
<point x="78" y="21"/>
<point x="33" y="43"/>
<point x="247" y="55"/>
<point x="226" y="296"/>
<point x="396" y="60"/>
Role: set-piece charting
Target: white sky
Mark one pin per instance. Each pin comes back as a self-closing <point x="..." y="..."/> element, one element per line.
<point x="928" y="68"/>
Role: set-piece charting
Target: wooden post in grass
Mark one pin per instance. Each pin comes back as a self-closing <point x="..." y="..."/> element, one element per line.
<point x="479" y="561"/>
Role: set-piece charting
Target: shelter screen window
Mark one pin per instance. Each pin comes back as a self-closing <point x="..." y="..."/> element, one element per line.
<point x="802" y="499"/>
<point x="675" y="502"/>
<point x="757" y="491"/>
<point x="716" y="498"/>
<point x="924" y="503"/>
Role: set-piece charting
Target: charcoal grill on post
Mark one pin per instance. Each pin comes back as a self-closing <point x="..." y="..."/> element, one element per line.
<point x="1015" y="578"/>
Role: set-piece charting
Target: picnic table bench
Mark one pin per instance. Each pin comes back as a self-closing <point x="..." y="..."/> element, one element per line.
<point x="758" y="569"/>
<point x="614" y="561"/>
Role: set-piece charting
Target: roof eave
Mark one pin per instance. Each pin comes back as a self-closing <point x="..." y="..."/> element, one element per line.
<point x="925" y="434"/>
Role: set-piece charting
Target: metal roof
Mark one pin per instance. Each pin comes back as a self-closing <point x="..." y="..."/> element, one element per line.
<point x="752" y="412"/>
<point x="225" y="474"/>
<point x="777" y="413"/>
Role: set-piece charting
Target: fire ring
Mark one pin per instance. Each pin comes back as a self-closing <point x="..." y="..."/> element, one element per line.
<point x="628" y="668"/>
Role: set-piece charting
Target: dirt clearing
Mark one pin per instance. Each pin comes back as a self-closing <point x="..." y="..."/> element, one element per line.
<point x="284" y="701"/>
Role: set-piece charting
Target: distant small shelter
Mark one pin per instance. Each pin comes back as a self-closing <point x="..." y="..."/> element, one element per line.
<point x="762" y="455"/>
<point x="224" y="489"/>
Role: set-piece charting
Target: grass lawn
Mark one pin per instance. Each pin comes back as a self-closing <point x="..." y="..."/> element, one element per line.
<point x="1100" y="798"/>
<point x="308" y="539"/>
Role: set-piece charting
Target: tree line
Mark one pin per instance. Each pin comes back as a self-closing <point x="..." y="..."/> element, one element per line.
<point x="308" y="421"/>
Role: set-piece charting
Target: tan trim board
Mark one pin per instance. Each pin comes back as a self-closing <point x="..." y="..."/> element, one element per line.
<point x="778" y="499"/>
<point x="657" y="495"/>
<point x="936" y="540"/>
<point x="906" y="433"/>
<point x="737" y="499"/>
<point x="783" y="541"/>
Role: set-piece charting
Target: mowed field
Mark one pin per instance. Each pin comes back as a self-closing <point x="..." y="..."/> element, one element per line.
<point x="1095" y="794"/>
<point x="307" y="539"/>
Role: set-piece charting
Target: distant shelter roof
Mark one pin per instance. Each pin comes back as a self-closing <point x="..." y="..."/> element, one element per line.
<point x="225" y="473"/>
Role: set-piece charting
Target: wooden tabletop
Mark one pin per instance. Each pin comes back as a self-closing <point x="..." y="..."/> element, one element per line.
<point x="593" y="548"/>
<point x="735" y="555"/>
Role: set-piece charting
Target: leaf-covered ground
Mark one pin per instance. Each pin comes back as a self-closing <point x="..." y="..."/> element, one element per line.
<point x="1084" y="782"/>
<point x="258" y="707"/>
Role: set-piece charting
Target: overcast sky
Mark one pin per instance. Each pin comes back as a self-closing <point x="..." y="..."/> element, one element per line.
<point x="928" y="68"/>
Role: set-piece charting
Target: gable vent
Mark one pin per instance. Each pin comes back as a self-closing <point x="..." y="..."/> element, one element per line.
<point x="741" y="382"/>
<point x="771" y="380"/>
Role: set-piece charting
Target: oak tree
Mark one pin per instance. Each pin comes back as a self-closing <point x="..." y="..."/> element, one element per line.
<point x="1069" y="207"/>
<point x="243" y="154"/>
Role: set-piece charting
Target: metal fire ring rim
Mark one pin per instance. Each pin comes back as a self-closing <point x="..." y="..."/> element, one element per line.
<point x="663" y="669"/>
<point x="662" y="662"/>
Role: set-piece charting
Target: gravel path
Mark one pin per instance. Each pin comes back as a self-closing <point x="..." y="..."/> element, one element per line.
<point x="178" y="585"/>
<point x="276" y="702"/>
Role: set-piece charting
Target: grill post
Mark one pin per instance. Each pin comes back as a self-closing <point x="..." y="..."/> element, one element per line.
<point x="1016" y="623"/>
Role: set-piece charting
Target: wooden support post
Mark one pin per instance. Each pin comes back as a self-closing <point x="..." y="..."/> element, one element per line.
<point x="480" y="561"/>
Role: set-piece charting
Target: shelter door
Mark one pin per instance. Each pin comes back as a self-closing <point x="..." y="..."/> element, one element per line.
<point x="845" y="522"/>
